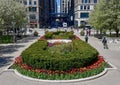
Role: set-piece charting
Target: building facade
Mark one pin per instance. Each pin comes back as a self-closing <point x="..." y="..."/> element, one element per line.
<point x="64" y="6"/>
<point x="53" y="12"/>
<point x="70" y="12"/>
<point x="82" y="10"/>
<point x="44" y="14"/>
<point x="32" y="7"/>
<point x="39" y="12"/>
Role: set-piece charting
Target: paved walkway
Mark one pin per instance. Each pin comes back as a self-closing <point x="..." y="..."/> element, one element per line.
<point x="111" y="78"/>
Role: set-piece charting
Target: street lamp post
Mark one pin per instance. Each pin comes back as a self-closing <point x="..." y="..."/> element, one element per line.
<point x="57" y="20"/>
<point x="14" y="35"/>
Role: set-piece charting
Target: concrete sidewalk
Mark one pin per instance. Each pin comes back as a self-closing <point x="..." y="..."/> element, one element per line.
<point x="111" y="78"/>
<point x="11" y="51"/>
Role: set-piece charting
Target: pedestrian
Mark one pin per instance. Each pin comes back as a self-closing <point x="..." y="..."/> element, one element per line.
<point x="89" y="32"/>
<point x="104" y="41"/>
<point x="86" y="38"/>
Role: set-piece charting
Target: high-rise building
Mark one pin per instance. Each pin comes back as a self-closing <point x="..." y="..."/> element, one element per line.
<point x="64" y="6"/>
<point x="53" y="4"/>
<point x="47" y="11"/>
<point x="53" y="12"/>
<point x="70" y="12"/>
<point x="46" y="8"/>
<point x="82" y="10"/>
<point x="32" y="7"/>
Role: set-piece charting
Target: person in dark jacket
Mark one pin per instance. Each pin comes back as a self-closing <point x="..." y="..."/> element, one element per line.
<point x="86" y="38"/>
<point x="104" y="41"/>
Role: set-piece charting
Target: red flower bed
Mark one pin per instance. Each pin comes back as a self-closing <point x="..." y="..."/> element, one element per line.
<point x="55" y="43"/>
<point x="76" y="37"/>
<point x="95" y="65"/>
<point x="18" y="60"/>
<point x="43" y="38"/>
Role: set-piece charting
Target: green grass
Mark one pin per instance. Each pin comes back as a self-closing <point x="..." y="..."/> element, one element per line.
<point x="85" y="74"/>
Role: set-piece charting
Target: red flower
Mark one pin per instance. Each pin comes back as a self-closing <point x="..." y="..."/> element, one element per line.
<point x="18" y="60"/>
<point x="77" y="38"/>
<point x="42" y="38"/>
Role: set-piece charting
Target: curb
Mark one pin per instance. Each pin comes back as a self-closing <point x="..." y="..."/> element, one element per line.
<point x="58" y="81"/>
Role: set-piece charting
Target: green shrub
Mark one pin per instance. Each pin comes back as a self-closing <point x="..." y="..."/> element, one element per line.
<point x="59" y="35"/>
<point x="59" y="57"/>
<point x="35" y="33"/>
<point x="48" y="35"/>
<point x="7" y="39"/>
<point x="71" y="35"/>
<point x="82" y="33"/>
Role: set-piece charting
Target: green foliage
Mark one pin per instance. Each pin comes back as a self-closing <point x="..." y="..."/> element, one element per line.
<point x="35" y="33"/>
<point x="48" y="34"/>
<point x="106" y="15"/>
<point x="78" y="75"/>
<point x="82" y="26"/>
<point x="59" y="35"/>
<point x="82" y="33"/>
<point x="59" y="57"/>
<point x="7" y="39"/>
<point x="12" y="11"/>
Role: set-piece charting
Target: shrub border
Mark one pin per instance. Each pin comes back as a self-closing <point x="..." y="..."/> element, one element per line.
<point x="101" y="68"/>
<point x="72" y="80"/>
<point x="61" y="81"/>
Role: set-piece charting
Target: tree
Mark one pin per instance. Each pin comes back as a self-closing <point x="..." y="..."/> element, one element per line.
<point x="12" y="12"/>
<point x="106" y="15"/>
<point x="97" y="16"/>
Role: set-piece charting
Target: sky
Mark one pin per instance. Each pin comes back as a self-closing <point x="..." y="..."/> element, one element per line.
<point x="58" y="4"/>
<point x="58" y="1"/>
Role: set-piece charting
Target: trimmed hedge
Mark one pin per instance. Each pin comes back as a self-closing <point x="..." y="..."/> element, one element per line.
<point x="59" y="57"/>
<point x="7" y="39"/>
<point x="59" y="35"/>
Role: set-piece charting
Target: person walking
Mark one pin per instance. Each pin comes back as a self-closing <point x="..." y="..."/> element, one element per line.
<point x="86" y="38"/>
<point x="104" y="41"/>
<point x="89" y="32"/>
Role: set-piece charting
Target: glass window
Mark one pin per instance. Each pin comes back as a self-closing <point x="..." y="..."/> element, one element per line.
<point x="32" y="9"/>
<point x="82" y="1"/>
<point x="81" y="7"/>
<point x="35" y="2"/>
<point x="95" y="1"/>
<point x="32" y="16"/>
<point x="88" y="7"/>
<point x="85" y="1"/>
<point x="89" y="1"/>
<point x="84" y="7"/>
<point x="84" y="15"/>
<point x="30" y="2"/>
<point x="25" y="2"/>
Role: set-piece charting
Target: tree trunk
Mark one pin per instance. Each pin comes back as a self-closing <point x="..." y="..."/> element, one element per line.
<point x="110" y="33"/>
<point x="97" y="32"/>
<point x="117" y="33"/>
<point x="100" y="31"/>
<point x="0" y="35"/>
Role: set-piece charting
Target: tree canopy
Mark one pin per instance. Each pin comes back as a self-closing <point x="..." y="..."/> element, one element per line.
<point x="12" y="12"/>
<point x="106" y="15"/>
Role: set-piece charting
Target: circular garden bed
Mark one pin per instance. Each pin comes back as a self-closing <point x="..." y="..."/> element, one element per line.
<point x="59" y="60"/>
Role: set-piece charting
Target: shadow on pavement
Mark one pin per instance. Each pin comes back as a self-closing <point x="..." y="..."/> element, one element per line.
<point x="5" y="61"/>
<point x="25" y="40"/>
<point x="14" y="47"/>
<point x="10" y="49"/>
